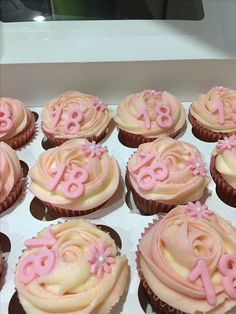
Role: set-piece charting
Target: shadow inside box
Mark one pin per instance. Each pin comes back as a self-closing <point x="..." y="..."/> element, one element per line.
<point x="14" y="306"/>
<point x="143" y="300"/>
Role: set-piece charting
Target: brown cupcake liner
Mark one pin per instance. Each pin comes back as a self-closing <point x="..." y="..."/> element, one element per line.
<point x="205" y="134"/>
<point x="58" y="212"/>
<point x="134" y="140"/>
<point x="23" y="137"/>
<point x="13" y="195"/>
<point x="147" y="207"/>
<point x="225" y="192"/>
<point x="158" y="306"/>
<point x="59" y="141"/>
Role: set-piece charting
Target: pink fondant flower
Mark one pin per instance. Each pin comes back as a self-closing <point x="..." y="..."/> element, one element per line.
<point x="99" y="105"/>
<point x="220" y="89"/>
<point x="199" y="211"/>
<point x="100" y="259"/>
<point x="153" y="92"/>
<point x="197" y="165"/>
<point x="93" y="149"/>
<point x="227" y="142"/>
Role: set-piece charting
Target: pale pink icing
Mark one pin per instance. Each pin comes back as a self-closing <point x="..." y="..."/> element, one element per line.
<point x="182" y="184"/>
<point x="225" y="162"/>
<point x="216" y="110"/>
<point x="19" y="115"/>
<point x="10" y="170"/>
<point x="171" y="249"/>
<point x="141" y="113"/>
<point x="93" y="119"/>
<point x="100" y="184"/>
<point x="70" y="286"/>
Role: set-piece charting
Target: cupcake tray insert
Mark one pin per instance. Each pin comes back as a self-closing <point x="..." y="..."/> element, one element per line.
<point x="26" y="217"/>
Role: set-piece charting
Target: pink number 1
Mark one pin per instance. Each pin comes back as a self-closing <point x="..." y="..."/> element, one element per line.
<point x="56" y="115"/>
<point x="220" y="108"/>
<point x="49" y="240"/>
<point x="144" y="113"/>
<point x="59" y="171"/>
<point x="201" y="270"/>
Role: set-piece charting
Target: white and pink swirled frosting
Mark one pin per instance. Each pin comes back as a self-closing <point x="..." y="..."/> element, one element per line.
<point x="225" y="162"/>
<point x="77" y="175"/>
<point x="168" y="170"/>
<point x="150" y="113"/>
<point x="14" y="118"/>
<point x="10" y="170"/>
<point x="189" y="260"/>
<point x="216" y="110"/>
<point x="72" y="267"/>
<point x="75" y="115"/>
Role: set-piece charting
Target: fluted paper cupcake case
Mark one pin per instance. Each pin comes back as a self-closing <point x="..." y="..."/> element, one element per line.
<point x="205" y="134"/>
<point x="13" y="195"/>
<point x="134" y="140"/>
<point x="24" y="136"/>
<point x="159" y="306"/>
<point x="225" y="192"/>
<point x="58" y="141"/>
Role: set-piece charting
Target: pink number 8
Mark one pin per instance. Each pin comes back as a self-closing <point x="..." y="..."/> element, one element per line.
<point x="227" y="266"/>
<point x="35" y="265"/>
<point x="72" y="124"/>
<point x="5" y="121"/>
<point x="154" y="176"/>
<point x="164" y="118"/>
<point x="77" y="182"/>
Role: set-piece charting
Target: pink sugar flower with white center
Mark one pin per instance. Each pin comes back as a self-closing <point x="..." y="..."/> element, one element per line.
<point x="93" y="149"/>
<point x="198" y="210"/>
<point x="99" y="105"/>
<point x="100" y="259"/>
<point x="197" y="165"/>
<point x="153" y="92"/>
<point x="227" y="143"/>
<point x="220" y="89"/>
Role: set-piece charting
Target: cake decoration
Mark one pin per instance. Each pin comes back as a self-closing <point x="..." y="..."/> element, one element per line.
<point x="220" y="89"/>
<point x="49" y="240"/>
<point x="197" y="165"/>
<point x="92" y="149"/>
<point x="100" y="259"/>
<point x="99" y="105"/>
<point x="199" y="211"/>
<point x="72" y="187"/>
<point x="153" y="92"/>
<point x="55" y="115"/>
<point x="6" y="122"/>
<point x="227" y="143"/>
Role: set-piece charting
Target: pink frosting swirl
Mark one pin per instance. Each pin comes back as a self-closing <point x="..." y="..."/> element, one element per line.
<point x="10" y="170"/>
<point x="170" y="250"/>
<point x="129" y="110"/>
<point x="221" y="120"/>
<point x="186" y="179"/>
<point x="95" y="118"/>
<point x="99" y="185"/>
<point x="18" y="114"/>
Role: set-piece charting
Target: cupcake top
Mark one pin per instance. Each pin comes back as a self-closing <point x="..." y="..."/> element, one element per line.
<point x="76" y="175"/>
<point x="150" y="114"/>
<point x="188" y="259"/>
<point x="72" y="267"/>
<point x="168" y="170"/>
<point x="10" y="170"/>
<point x="14" y="118"/>
<point x="225" y="162"/>
<point x="216" y="110"/>
<point x="75" y="115"/>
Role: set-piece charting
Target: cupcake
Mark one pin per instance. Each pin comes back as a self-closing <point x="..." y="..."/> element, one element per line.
<point x="17" y="123"/>
<point x="187" y="262"/>
<point x="10" y="176"/>
<point x="75" y="178"/>
<point x="165" y="173"/>
<point x="223" y="169"/>
<point x="72" y="267"/>
<point x="213" y="115"/>
<point x="75" y="115"/>
<point x="143" y="117"/>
